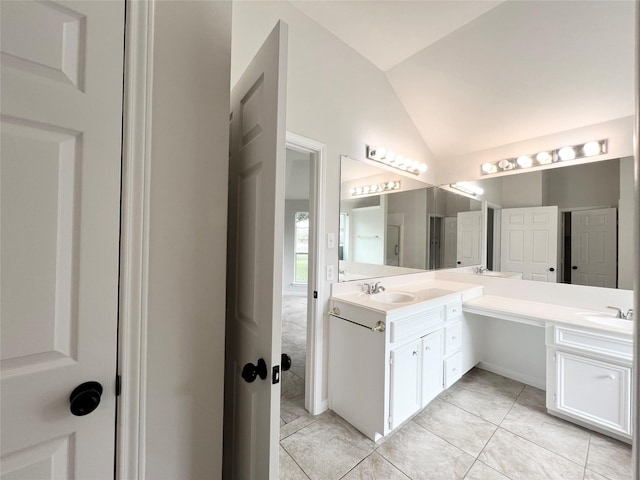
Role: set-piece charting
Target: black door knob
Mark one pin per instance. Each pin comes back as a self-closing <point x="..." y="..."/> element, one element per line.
<point x="459" y="263"/>
<point x="251" y="371"/>
<point x="552" y="269"/>
<point x="574" y="268"/>
<point x="285" y="361"/>
<point x="85" y="398"/>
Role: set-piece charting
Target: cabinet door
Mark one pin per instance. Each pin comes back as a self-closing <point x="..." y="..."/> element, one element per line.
<point x="431" y="366"/>
<point x="595" y="391"/>
<point x="405" y="382"/>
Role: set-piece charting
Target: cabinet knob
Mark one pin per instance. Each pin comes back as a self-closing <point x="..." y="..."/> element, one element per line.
<point x="453" y="338"/>
<point x="611" y="377"/>
<point x="427" y="349"/>
<point x="415" y="353"/>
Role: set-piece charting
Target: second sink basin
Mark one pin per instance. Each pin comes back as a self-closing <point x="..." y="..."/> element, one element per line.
<point x="601" y="318"/>
<point x="394" y="297"/>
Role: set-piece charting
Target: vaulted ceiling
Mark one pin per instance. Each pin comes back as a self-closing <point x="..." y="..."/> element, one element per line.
<point x="478" y="74"/>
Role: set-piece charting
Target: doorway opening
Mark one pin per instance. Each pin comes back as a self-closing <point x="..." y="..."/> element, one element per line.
<point x="303" y="230"/>
<point x="294" y="285"/>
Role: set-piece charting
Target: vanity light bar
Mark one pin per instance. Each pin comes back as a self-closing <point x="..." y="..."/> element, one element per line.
<point x="376" y="188"/>
<point x="392" y="159"/>
<point x="467" y="188"/>
<point x="570" y="152"/>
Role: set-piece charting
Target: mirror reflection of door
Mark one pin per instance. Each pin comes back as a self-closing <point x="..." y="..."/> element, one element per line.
<point x="529" y="242"/>
<point x="393" y="245"/>
<point x="435" y="242"/>
<point x="450" y="242"/>
<point x="593" y="247"/>
<point x="469" y="238"/>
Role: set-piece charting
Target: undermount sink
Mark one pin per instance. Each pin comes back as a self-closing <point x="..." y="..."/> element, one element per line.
<point x="601" y="318"/>
<point x="394" y="297"/>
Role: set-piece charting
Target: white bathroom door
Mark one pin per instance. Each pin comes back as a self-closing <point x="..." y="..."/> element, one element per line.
<point x="529" y="240"/>
<point x="594" y="247"/>
<point x="60" y="202"/>
<point x="469" y="238"/>
<point x="257" y="166"/>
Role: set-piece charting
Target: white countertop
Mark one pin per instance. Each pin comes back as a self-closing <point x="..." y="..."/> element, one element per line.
<point x="435" y="292"/>
<point x="537" y="313"/>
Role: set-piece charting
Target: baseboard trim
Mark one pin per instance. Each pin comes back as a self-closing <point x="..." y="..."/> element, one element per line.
<point x="513" y="375"/>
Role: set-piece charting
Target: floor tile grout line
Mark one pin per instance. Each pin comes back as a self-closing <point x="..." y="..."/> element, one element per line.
<point x="294" y="461"/>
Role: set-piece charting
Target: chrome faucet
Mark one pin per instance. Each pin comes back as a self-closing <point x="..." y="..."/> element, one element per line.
<point x="480" y="270"/>
<point x="619" y="314"/>
<point x="371" y="288"/>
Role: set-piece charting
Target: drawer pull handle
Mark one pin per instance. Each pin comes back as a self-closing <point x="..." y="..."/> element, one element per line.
<point x="379" y="327"/>
<point x="415" y="353"/>
<point x="611" y="377"/>
<point x="427" y="349"/>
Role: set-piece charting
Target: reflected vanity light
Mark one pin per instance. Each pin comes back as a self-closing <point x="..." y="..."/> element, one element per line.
<point x="565" y="153"/>
<point x="467" y="188"/>
<point x="375" y="188"/>
<point x="392" y="159"/>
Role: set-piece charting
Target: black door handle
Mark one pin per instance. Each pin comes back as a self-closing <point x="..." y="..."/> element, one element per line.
<point x="85" y="398"/>
<point x="251" y="371"/>
<point x="574" y="268"/>
<point x="285" y="361"/>
<point x="459" y="263"/>
<point x="552" y="269"/>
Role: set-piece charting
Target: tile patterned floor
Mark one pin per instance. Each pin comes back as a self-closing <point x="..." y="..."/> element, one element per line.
<point x="485" y="427"/>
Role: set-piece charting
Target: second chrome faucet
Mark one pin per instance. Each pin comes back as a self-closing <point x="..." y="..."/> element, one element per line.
<point x="371" y="288"/>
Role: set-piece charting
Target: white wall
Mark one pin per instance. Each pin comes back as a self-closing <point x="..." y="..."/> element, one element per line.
<point x="187" y="257"/>
<point x="335" y="96"/>
<point x="290" y="209"/>
<point x="522" y="190"/>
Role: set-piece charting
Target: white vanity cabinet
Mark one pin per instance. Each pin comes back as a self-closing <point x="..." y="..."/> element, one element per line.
<point x="589" y="378"/>
<point x="380" y="377"/>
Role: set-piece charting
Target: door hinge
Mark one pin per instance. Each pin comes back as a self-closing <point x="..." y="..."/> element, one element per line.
<point x="315" y="294"/>
<point x="118" y="385"/>
<point x="390" y="421"/>
<point x="554" y="358"/>
<point x="390" y="360"/>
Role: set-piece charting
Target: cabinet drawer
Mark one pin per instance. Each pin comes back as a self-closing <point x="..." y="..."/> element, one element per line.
<point x="452" y="338"/>
<point x="415" y="324"/>
<point x="452" y="369"/>
<point x="591" y="342"/>
<point x="454" y="310"/>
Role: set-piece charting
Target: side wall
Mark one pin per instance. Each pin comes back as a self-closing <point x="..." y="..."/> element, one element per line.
<point x="187" y="240"/>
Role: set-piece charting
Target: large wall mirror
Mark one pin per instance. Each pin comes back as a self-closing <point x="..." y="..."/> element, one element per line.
<point x="568" y="224"/>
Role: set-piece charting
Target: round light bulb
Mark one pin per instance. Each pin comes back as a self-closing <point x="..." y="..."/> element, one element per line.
<point x="391" y="156"/>
<point x="566" y="153"/>
<point x="390" y="185"/>
<point x="399" y="160"/>
<point x="487" y="167"/>
<point x="365" y="189"/>
<point x="505" y="164"/>
<point x="352" y="191"/>
<point x="423" y="167"/>
<point x="374" y="188"/>
<point x="524" y="161"/>
<point x="407" y="162"/>
<point x="358" y="191"/>
<point x="379" y="153"/>
<point x="543" y="158"/>
<point x="591" y="148"/>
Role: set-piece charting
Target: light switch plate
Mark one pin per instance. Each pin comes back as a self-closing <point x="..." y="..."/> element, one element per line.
<point x="330" y="273"/>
